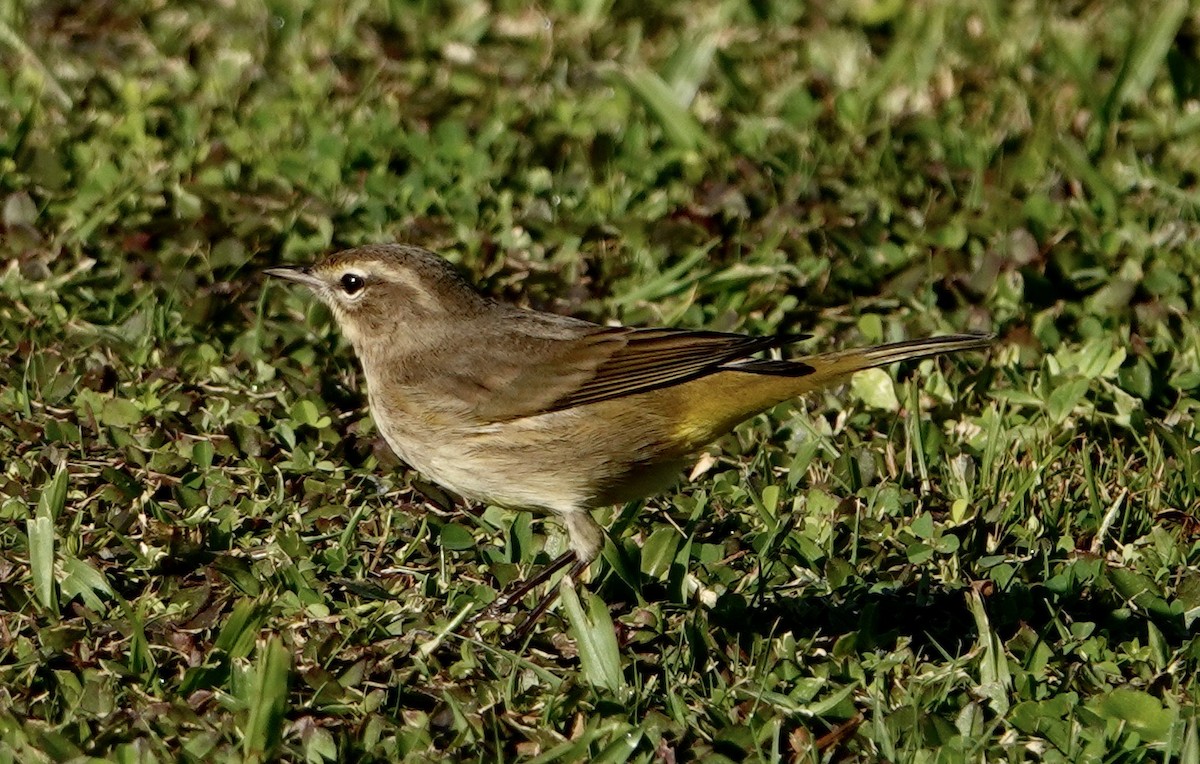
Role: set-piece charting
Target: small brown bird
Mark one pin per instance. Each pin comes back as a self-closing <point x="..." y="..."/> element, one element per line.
<point x="542" y="412"/>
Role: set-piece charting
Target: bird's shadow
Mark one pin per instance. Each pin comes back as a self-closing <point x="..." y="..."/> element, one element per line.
<point x="932" y="619"/>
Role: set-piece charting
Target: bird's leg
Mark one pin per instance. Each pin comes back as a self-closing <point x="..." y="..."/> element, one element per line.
<point x="547" y="600"/>
<point x="586" y="538"/>
<point x="528" y="585"/>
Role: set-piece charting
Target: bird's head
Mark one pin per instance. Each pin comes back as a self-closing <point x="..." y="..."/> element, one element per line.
<point x="381" y="293"/>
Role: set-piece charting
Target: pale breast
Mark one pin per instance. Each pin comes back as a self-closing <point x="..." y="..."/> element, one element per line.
<point x="560" y="461"/>
<point x="511" y="464"/>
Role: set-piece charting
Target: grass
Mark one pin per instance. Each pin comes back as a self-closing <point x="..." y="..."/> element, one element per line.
<point x="207" y="554"/>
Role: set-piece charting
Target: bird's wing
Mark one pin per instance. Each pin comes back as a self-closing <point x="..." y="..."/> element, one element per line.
<point x="550" y="367"/>
<point x="647" y="359"/>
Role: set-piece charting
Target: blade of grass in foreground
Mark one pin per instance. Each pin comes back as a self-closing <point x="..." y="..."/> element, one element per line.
<point x="267" y="701"/>
<point x="1145" y="55"/>
<point x="40" y="530"/>
<point x="678" y="124"/>
<point x="596" y="638"/>
<point x="995" y="682"/>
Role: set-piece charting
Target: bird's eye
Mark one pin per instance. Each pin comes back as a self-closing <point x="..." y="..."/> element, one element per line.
<point x="352" y="283"/>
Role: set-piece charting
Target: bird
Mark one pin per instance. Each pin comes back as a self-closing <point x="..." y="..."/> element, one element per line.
<point x="536" y="411"/>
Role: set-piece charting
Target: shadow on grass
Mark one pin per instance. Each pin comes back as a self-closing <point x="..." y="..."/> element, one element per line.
<point x="939" y="619"/>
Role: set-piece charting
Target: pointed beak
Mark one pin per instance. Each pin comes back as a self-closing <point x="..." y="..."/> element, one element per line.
<point x="299" y="275"/>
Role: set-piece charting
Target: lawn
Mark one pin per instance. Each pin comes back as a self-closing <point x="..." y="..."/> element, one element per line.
<point x="208" y="554"/>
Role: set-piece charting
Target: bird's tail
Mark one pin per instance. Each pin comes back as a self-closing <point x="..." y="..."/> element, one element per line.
<point x="828" y="368"/>
<point x="816" y="371"/>
<point x="762" y="384"/>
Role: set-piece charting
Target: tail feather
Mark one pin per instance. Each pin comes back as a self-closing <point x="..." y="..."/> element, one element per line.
<point x="881" y="355"/>
<point x="829" y="367"/>
<point x="756" y="385"/>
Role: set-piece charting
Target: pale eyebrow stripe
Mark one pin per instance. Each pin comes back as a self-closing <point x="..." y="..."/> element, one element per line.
<point x="406" y="279"/>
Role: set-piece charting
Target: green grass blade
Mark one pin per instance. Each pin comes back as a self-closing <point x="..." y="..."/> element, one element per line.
<point x="1147" y="52"/>
<point x="267" y="701"/>
<point x="41" y="561"/>
<point x="680" y="127"/>
<point x="40" y="531"/>
<point x="619" y="750"/>
<point x="54" y="495"/>
<point x="995" y="681"/>
<point x="597" y="639"/>
<point x="84" y="581"/>
<point x="1190" y="753"/>
<point x="241" y="627"/>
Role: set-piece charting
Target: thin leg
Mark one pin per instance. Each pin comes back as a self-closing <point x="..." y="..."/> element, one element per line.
<point x="586" y="538"/>
<point x="528" y="585"/>
<point x="547" y="600"/>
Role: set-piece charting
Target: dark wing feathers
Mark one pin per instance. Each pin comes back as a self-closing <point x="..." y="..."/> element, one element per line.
<point x="543" y="363"/>
<point x="647" y="359"/>
<point x="773" y="367"/>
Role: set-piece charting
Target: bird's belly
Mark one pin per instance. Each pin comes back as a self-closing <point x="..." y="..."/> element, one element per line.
<point x="553" y="462"/>
<point x="491" y="465"/>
